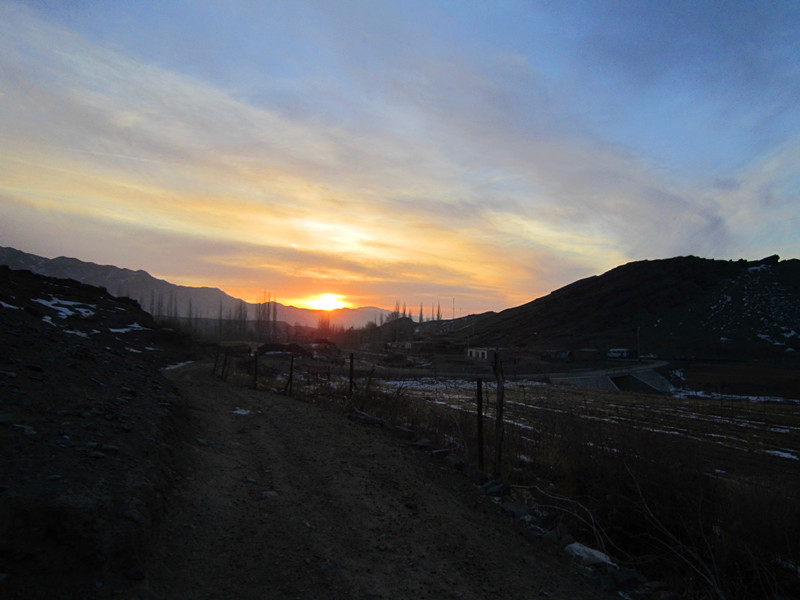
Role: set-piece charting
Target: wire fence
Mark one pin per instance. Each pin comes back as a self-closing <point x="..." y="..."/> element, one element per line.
<point x="627" y="456"/>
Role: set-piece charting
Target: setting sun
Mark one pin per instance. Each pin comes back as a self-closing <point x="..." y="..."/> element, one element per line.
<point x="325" y="302"/>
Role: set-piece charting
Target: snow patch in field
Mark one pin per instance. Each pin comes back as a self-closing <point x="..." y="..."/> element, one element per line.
<point x="176" y="365"/>
<point x="4" y="305"/>
<point x="783" y="454"/>
<point x="689" y="394"/>
<point x="241" y="411"/>
<point x="129" y="328"/>
<point x="78" y="333"/>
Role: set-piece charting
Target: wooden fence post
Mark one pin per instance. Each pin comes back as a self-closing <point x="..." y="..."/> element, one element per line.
<point x="498" y="452"/>
<point x="216" y="360"/>
<point x="351" y="375"/>
<point x="255" y="370"/>
<point x="480" y="424"/>
<point x="225" y="364"/>
<point x="288" y="388"/>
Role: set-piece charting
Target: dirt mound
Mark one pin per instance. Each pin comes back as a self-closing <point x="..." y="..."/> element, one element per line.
<point x="84" y="419"/>
<point x="122" y="480"/>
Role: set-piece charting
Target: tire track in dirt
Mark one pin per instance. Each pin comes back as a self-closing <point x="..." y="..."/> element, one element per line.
<point x="293" y="501"/>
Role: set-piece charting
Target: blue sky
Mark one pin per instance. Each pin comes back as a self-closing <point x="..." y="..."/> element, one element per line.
<point x="485" y="151"/>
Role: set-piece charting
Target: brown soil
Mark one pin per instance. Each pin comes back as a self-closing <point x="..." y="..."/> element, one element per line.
<point x="118" y="480"/>
<point x="294" y="501"/>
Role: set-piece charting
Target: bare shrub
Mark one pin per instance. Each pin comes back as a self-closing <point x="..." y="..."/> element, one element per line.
<point x="644" y="494"/>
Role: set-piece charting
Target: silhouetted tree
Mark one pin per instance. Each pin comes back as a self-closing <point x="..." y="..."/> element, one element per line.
<point x="324" y="323"/>
<point x="262" y="319"/>
<point x="241" y="319"/>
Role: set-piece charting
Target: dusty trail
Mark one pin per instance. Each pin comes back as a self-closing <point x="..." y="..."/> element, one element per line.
<point x="292" y="501"/>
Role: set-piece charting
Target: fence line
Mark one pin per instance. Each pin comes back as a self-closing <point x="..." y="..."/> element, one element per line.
<point x="535" y="414"/>
<point x="574" y="435"/>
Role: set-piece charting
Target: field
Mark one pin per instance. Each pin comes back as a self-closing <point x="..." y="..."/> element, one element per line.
<point x="749" y="437"/>
<point x="740" y="437"/>
<point x="697" y="486"/>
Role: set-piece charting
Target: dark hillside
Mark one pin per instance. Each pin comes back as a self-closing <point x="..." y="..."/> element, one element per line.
<point x="684" y="306"/>
<point x="86" y="423"/>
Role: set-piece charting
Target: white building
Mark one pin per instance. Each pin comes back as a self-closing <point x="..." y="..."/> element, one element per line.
<point x="479" y="353"/>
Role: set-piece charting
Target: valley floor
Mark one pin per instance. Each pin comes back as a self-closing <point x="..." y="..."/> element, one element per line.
<point x="278" y="498"/>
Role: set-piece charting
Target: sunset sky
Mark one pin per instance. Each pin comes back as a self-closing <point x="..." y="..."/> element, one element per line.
<point x="485" y="151"/>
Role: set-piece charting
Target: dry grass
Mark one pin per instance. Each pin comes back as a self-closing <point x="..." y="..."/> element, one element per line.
<point x="696" y="489"/>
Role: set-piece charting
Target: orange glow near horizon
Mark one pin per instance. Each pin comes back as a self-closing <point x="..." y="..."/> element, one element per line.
<point x="323" y="302"/>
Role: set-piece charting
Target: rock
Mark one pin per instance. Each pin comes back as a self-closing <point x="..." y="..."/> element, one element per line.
<point x="588" y="556"/>
<point x="72" y="413"/>
<point x="405" y="432"/>
<point x="135" y="574"/>
<point x="424" y="443"/>
<point x="496" y="489"/>
<point x="628" y="579"/>
<point x="454" y="461"/>
<point x="474" y="474"/>
<point x="516" y="509"/>
<point x="552" y="536"/>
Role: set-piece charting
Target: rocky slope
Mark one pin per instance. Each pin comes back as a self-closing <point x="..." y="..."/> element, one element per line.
<point x="85" y="423"/>
<point x="686" y="306"/>
<point x="120" y="482"/>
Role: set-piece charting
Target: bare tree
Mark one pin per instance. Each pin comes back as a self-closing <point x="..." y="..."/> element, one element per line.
<point x="274" y="332"/>
<point x="262" y="319"/>
<point x="324" y="324"/>
<point x="241" y="318"/>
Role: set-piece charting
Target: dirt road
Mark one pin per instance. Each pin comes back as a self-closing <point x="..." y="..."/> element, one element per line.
<point x="282" y="499"/>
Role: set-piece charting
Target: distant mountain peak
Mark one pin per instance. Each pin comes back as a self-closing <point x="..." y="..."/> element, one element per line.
<point x="160" y="297"/>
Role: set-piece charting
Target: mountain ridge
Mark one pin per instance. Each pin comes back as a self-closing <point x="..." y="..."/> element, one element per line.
<point x="687" y="306"/>
<point x="163" y="298"/>
<point x="675" y="307"/>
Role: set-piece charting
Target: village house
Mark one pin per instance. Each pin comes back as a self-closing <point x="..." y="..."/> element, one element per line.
<point x="479" y="353"/>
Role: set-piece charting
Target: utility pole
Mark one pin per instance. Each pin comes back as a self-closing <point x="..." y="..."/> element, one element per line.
<point x="638" y="344"/>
